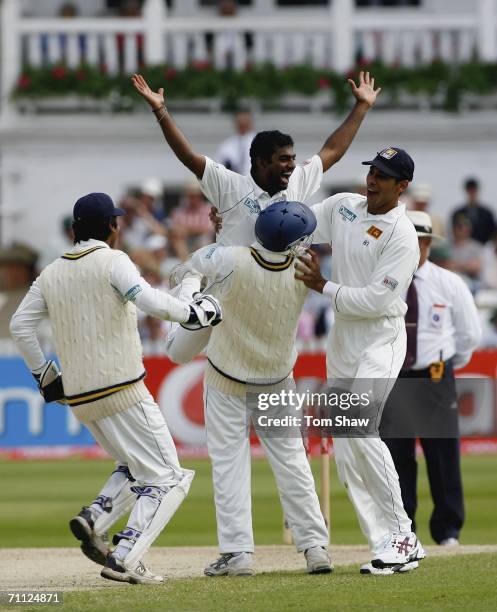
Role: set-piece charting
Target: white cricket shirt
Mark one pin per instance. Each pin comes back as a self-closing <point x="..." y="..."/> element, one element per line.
<point x="448" y="323"/>
<point x="239" y="199"/>
<point x="374" y="257"/>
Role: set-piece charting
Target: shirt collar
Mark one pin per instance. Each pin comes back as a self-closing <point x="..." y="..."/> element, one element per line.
<point x="88" y="244"/>
<point x="258" y="191"/>
<point x="269" y="255"/>
<point x="390" y="217"/>
<point x="423" y="271"/>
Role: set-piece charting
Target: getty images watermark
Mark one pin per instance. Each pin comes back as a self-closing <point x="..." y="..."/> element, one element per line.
<point x="283" y="411"/>
<point x="388" y="408"/>
<point x="288" y="398"/>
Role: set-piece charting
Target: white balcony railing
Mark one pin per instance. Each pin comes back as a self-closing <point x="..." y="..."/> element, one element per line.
<point x="333" y="40"/>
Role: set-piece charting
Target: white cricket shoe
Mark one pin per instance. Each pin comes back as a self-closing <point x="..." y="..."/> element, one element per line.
<point x="115" y="569"/>
<point x="231" y="564"/>
<point x="369" y="569"/>
<point x="398" y="549"/>
<point x="450" y="542"/>
<point x="318" y="560"/>
<point x="421" y="552"/>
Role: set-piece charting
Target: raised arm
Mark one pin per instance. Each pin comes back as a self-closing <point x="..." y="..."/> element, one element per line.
<point x="337" y="144"/>
<point x="173" y="135"/>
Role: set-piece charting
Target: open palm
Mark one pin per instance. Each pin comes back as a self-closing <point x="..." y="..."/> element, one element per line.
<point x="365" y="91"/>
<point x="155" y="99"/>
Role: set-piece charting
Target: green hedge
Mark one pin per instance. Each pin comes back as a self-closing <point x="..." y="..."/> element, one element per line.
<point x="265" y="83"/>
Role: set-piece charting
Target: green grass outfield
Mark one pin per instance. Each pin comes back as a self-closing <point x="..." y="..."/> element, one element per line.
<point x="39" y="497"/>
<point x="465" y="583"/>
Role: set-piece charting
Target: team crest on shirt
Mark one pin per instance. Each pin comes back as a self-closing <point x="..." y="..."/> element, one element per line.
<point x="388" y="153"/>
<point x="347" y="214"/>
<point x="210" y="252"/>
<point x="374" y="231"/>
<point x="252" y="205"/>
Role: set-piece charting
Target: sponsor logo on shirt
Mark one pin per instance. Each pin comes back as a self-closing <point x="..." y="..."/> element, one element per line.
<point x="390" y="283"/>
<point x="347" y="214"/>
<point x="253" y="206"/>
<point x="132" y="293"/>
<point x="209" y="253"/>
<point x="374" y="231"/>
<point x="388" y="153"/>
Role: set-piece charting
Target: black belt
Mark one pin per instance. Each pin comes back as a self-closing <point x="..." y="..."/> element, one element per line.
<point x="244" y="382"/>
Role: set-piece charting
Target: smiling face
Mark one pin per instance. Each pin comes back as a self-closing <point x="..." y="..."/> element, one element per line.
<point x="273" y="175"/>
<point x="383" y="191"/>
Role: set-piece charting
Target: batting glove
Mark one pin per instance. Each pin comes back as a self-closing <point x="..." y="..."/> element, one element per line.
<point x="205" y="311"/>
<point x="50" y="383"/>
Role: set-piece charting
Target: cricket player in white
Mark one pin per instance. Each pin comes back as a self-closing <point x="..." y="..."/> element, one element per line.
<point x="91" y="295"/>
<point x="238" y="199"/>
<point x="375" y="254"/>
<point x="261" y="302"/>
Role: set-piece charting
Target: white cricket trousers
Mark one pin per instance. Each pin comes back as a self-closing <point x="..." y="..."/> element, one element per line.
<point x="229" y="450"/>
<point x="139" y="437"/>
<point x="369" y="352"/>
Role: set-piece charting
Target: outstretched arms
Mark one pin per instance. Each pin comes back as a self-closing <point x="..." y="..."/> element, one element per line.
<point x="173" y="135"/>
<point x="337" y="144"/>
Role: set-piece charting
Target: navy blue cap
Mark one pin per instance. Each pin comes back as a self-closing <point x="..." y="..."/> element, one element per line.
<point x="96" y="206"/>
<point x="394" y="162"/>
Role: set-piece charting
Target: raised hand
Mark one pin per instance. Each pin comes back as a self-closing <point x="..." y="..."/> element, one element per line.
<point x="155" y="99"/>
<point x="365" y="91"/>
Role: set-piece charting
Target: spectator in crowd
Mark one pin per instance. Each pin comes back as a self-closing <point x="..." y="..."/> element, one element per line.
<point x="158" y="247"/>
<point x="17" y="272"/>
<point x="138" y="223"/>
<point x="481" y="216"/>
<point x="153" y="333"/>
<point x="465" y="253"/>
<point x="440" y="256"/>
<point x="234" y="152"/>
<point x="151" y="192"/>
<point x="420" y="195"/>
<point x="58" y="244"/>
<point x="489" y="264"/>
<point x="190" y="221"/>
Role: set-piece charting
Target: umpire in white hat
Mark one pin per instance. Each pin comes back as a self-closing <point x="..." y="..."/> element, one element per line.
<point x="443" y="330"/>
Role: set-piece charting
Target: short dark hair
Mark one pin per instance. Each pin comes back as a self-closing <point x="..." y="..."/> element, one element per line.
<point x="99" y="229"/>
<point x="265" y="144"/>
<point x="471" y="183"/>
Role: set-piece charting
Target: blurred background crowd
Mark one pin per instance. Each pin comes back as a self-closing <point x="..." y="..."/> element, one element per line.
<point x="163" y="227"/>
<point x="166" y="221"/>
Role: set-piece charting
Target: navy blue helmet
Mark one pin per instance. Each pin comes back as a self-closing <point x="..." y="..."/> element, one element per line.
<point x="283" y="225"/>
